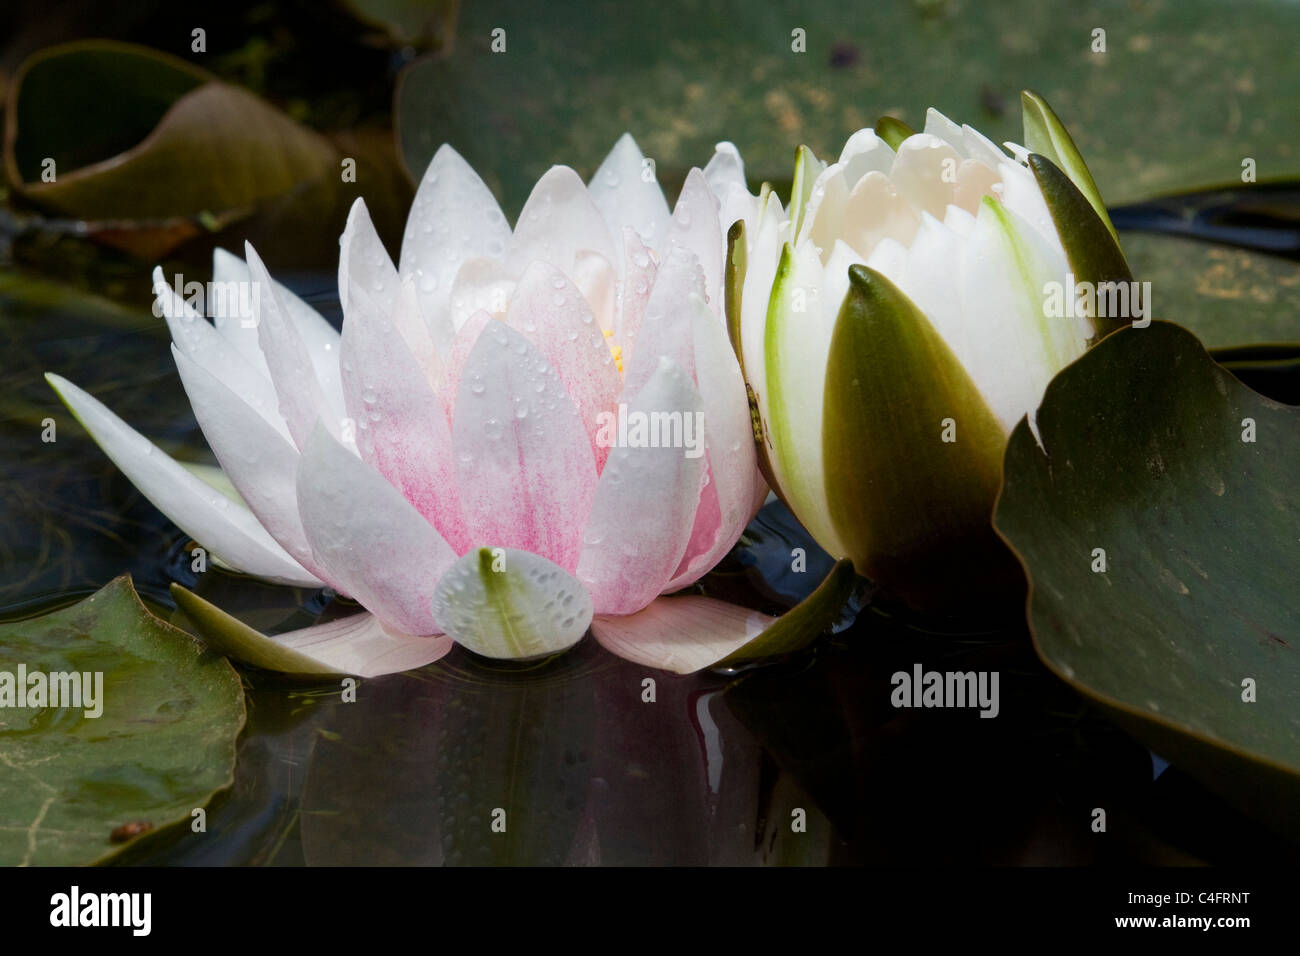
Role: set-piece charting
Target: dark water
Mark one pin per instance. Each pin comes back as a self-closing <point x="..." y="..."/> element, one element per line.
<point x="718" y="769"/>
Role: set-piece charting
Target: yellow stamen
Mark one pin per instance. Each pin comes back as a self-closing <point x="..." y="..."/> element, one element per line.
<point x="616" y="349"/>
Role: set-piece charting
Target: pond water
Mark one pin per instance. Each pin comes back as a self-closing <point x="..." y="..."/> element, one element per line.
<point x="577" y="759"/>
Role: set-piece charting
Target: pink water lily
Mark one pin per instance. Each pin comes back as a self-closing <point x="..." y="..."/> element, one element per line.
<point x="458" y="460"/>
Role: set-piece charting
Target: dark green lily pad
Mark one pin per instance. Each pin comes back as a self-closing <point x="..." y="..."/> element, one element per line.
<point x="1181" y="96"/>
<point x="162" y="745"/>
<point x="1145" y="459"/>
<point x="1226" y="296"/>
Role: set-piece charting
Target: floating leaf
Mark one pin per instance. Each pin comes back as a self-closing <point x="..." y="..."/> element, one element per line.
<point x="1226" y="296"/>
<point x="161" y="151"/>
<point x="680" y="76"/>
<point x="1185" y="479"/>
<point x="162" y="745"/>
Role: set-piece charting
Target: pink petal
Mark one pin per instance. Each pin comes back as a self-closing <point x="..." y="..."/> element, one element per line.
<point x="402" y="428"/>
<point x="680" y="634"/>
<point x="523" y="459"/>
<point x="726" y="505"/>
<point x="645" y="503"/>
<point x="549" y="310"/>
<point x="369" y="537"/>
<point x="459" y="354"/>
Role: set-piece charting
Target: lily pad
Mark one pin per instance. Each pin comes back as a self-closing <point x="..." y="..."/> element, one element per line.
<point x="1190" y="636"/>
<point x="160" y="151"/>
<point x="1178" y="99"/>
<point x="162" y="744"/>
<point x="1226" y="296"/>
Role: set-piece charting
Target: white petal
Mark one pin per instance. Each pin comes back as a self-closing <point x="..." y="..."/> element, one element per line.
<point x="301" y="399"/>
<point x="1004" y="268"/>
<point x="454" y="217"/>
<point x="823" y="223"/>
<point x="1020" y="194"/>
<point x="364" y="261"/>
<point x="936" y="124"/>
<point x="797" y="346"/>
<point x="598" y="281"/>
<point x="260" y="462"/>
<point x="925" y="172"/>
<point x="558" y="220"/>
<point x="221" y="525"/>
<point x="696" y="228"/>
<point x="358" y="644"/>
<point x="218" y="355"/>
<point x="863" y="153"/>
<point x="756" y="292"/>
<point x="627" y="193"/>
<point x="504" y="603"/>
<point x="725" y="168"/>
<point x="645" y="502"/>
<point x="888" y="259"/>
<point x="240" y="327"/>
<point x="236" y="321"/>
<point x="481" y="285"/>
<point x="875" y="211"/>
<point x="980" y="147"/>
<point x="665" y="329"/>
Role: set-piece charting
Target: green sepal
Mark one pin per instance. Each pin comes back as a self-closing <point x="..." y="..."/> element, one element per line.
<point x="912" y="510"/>
<point x="1090" y="244"/>
<point x="1046" y="135"/>
<point x="893" y="131"/>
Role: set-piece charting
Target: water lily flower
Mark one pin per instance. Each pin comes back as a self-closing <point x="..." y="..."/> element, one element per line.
<point x="518" y="435"/>
<point x="895" y="324"/>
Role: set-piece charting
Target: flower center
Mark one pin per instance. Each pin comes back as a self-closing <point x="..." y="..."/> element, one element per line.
<point x="617" y="350"/>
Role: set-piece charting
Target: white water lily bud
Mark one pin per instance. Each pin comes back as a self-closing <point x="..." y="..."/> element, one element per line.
<point x="948" y="283"/>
